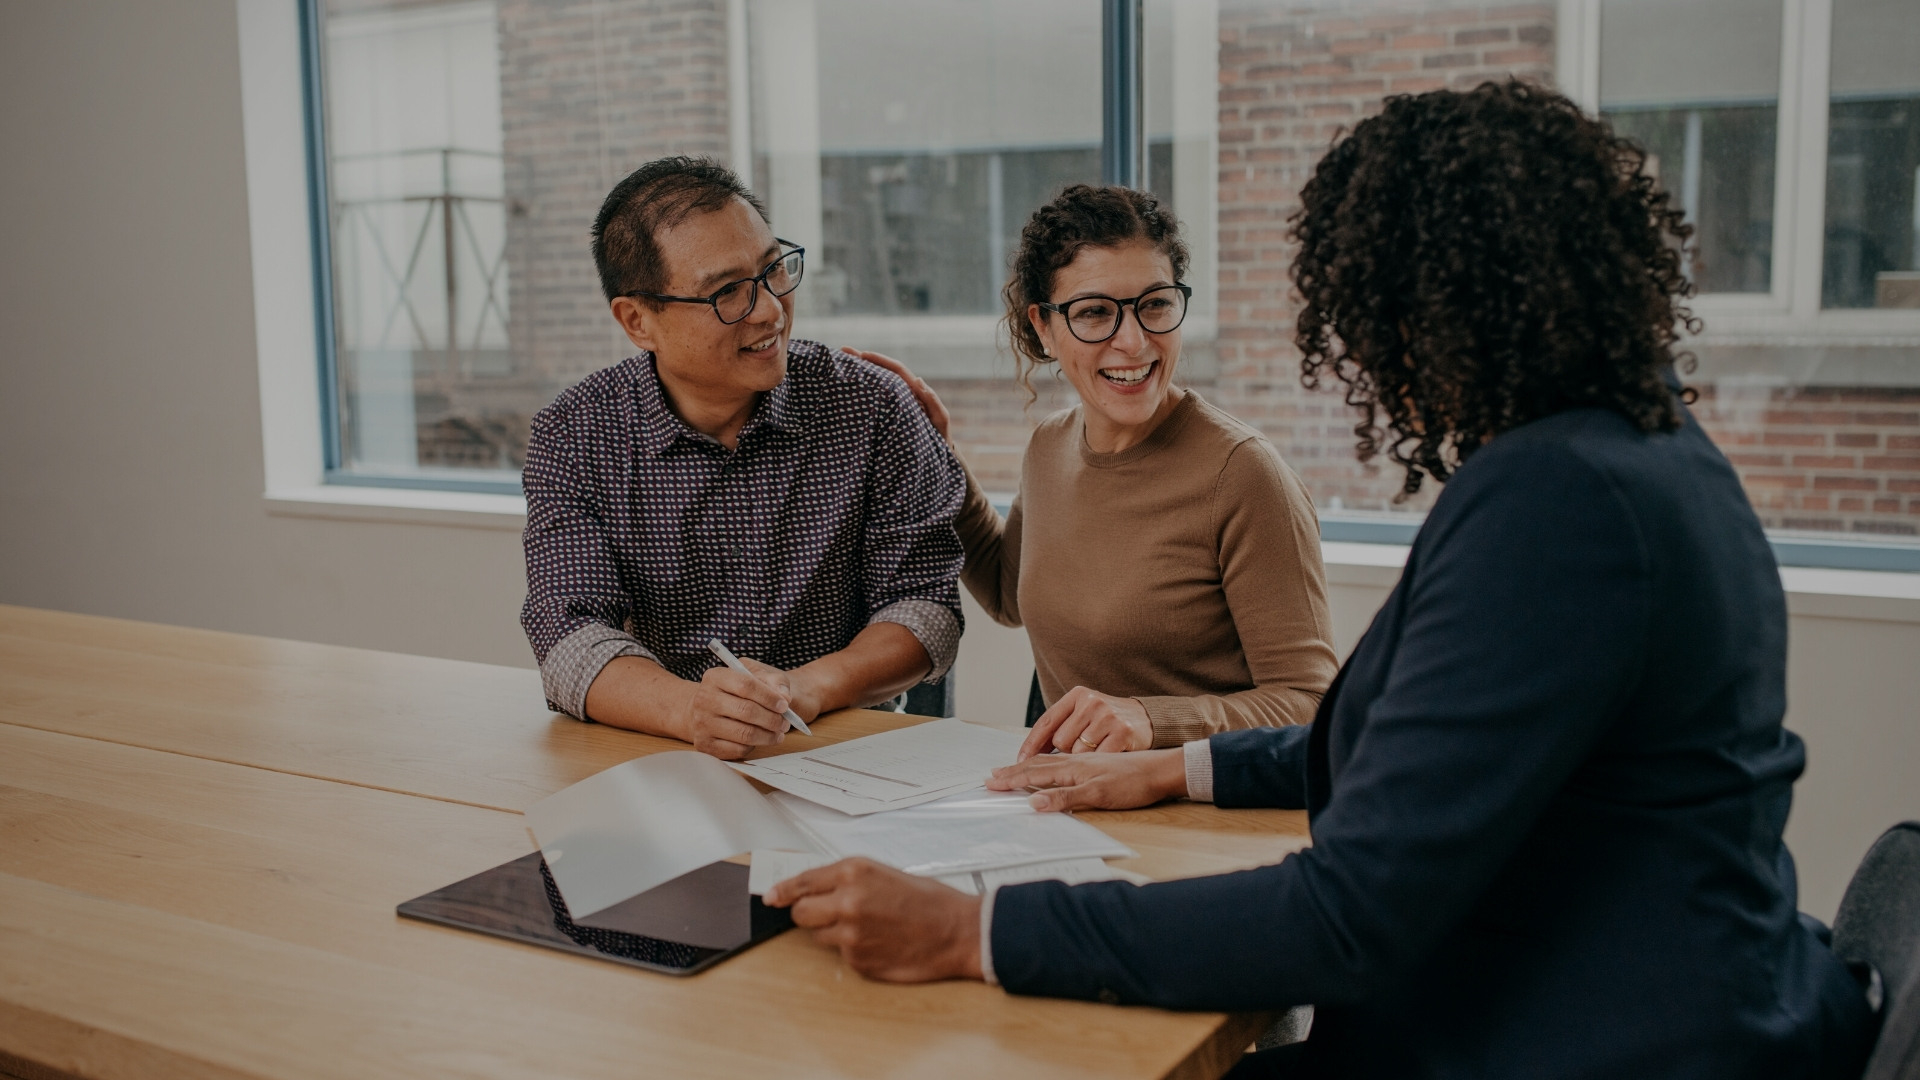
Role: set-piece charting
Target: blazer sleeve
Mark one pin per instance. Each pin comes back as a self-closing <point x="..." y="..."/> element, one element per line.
<point x="1527" y="613"/>
<point x="1261" y="767"/>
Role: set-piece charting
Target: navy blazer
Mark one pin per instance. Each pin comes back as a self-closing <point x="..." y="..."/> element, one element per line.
<point x="1547" y="793"/>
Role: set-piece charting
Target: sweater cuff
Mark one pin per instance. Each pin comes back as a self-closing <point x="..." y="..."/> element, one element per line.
<point x="575" y="661"/>
<point x="1199" y="754"/>
<point x="1175" y="720"/>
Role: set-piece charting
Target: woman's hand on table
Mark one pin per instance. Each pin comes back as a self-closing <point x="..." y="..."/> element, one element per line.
<point x="1096" y="781"/>
<point x="929" y="401"/>
<point x="1086" y="720"/>
<point x="887" y="925"/>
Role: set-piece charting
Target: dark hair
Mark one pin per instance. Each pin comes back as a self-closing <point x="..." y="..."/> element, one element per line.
<point x="1081" y="216"/>
<point x="656" y="196"/>
<point x="1473" y="261"/>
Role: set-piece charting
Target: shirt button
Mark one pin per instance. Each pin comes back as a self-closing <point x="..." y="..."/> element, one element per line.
<point x="1108" y="997"/>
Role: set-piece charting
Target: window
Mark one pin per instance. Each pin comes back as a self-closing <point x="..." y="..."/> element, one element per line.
<point x="1698" y="85"/>
<point x="467" y="145"/>
<point x="1872" y="238"/>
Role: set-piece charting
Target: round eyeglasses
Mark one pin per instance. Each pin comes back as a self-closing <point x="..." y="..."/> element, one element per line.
<point x="1094" y="319"/>
<point x="735" y="300"/>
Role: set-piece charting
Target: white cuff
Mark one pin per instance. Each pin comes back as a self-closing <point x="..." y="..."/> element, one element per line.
<point x="1199" y="770"/>
<point x="986" y="937"/>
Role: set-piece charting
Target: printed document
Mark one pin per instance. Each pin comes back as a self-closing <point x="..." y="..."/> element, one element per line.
<point x="974" y="830"/>
<point x="643" y="823"/>
<point x="892" y="770"/>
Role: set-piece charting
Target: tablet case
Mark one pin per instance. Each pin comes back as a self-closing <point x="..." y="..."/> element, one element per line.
<point x="709" y="907"/>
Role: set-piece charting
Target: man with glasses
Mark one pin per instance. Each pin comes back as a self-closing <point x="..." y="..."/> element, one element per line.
<point x="730" y="483"/>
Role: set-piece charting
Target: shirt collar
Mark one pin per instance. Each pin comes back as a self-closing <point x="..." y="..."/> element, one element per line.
<point x="661" y="427"/>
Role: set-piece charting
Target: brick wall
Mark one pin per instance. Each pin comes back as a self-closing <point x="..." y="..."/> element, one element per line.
<point x="1822" y="458"/>
<point x="590" y="90"/>
<point x="1291" y="77"/>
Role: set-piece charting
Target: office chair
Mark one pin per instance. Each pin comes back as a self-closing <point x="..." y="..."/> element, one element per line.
<point x="931" y="699"/>
<point x="1879" y="924"/>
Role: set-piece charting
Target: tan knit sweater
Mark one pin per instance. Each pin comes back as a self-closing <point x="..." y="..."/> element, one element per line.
<point x="1184" y="572"/>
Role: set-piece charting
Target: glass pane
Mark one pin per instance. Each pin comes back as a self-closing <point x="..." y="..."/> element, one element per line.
<point x="906" y="145"/>
<point x="470" y="144"/>
<point x="1873" y="157"/>
<point x="419" y="223"/>
<point x="1698" y="85"/>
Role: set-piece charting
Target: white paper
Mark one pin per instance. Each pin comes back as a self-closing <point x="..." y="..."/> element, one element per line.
<point x="1070" y="871"/>
<point x="623" y="831"/>
<point x="770" y="868"/>
<point x="973" y="830"/>
<point x="891" y="770"/>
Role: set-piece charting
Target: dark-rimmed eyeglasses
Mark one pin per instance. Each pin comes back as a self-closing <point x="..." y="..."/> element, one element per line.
<point x="735" y="300"/>
<point x="1094" y="319"/>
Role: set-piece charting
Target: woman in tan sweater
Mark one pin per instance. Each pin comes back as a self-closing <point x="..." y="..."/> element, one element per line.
<point x="1164" y="560"/>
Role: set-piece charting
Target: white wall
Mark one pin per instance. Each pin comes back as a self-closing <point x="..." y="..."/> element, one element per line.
<point x="130" y="442"/>
<point x="130" y="439"/>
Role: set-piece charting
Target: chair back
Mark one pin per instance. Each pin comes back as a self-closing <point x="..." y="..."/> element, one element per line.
<point x="1879" y="923"/>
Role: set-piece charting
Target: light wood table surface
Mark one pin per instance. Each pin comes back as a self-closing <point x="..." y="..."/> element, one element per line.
<point x="203" y="837"/>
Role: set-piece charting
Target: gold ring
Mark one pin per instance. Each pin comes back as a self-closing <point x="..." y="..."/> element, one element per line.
<point x="1084" y="739"/>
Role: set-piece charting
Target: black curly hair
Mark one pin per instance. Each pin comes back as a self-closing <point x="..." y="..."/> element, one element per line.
<point x="1473" y="261"/>
<point x="1081" y="216"/>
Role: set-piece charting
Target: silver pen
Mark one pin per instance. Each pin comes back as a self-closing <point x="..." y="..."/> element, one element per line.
<point x="719" y="649"/>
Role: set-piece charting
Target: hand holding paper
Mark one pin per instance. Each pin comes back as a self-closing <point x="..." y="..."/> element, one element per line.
<point x="886" y="924"/>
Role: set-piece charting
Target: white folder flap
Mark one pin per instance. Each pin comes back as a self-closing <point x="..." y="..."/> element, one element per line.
<point x="623" y="831"/>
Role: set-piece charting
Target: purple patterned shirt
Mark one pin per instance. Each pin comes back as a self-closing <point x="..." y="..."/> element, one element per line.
<point x="645" y="537"/>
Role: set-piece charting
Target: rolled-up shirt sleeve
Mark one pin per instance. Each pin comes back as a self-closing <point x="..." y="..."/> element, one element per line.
<point x="912" y="556"/>
<point x="576" y="611"/>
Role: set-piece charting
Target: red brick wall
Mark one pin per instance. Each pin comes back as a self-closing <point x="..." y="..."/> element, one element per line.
<point x="1291" y="77"/>
<point x="589" y="91"/>
<point x="1822" y="458"/>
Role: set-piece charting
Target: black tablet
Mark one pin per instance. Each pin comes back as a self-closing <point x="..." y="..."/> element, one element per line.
<point x="686" y="925"/>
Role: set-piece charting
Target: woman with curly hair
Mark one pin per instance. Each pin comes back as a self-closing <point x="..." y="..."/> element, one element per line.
<point x="1164" y="560"/>
<point x="1548" y="788"/>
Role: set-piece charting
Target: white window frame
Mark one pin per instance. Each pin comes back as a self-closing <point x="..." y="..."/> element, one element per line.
<point x="1790" y="313"/>
<point x="286" y="329"/>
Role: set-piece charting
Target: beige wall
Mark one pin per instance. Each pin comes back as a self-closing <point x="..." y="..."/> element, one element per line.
<point x="130" y="441"/>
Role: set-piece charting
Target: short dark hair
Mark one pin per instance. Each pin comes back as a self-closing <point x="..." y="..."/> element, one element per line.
<point x="1081" y="216"/>
<point x="1473" y="261"/>
<point x="656" y="196"/>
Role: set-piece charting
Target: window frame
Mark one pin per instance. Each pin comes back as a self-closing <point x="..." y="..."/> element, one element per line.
<point x="285" y="150"/>
<point x="1790" y="313"/>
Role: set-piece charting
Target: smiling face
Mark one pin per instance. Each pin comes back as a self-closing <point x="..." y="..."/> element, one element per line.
<point x="1126" y="381"/>
<point x="699" y="358"/>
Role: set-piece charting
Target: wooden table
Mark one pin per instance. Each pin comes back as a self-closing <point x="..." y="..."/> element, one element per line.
<point x="203" y="837"/>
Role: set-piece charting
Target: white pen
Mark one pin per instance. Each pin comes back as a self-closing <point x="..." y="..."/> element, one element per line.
<point x="719" y="649"/>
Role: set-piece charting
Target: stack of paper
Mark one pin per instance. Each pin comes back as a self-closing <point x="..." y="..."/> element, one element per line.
<point x="772" y="867"/>
<point x="916" y="804"/>
<point x="892" y="770"/>
<point x="974" y="830"/>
